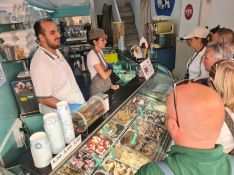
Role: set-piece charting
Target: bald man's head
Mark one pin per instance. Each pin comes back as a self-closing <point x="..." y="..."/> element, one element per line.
<point x="200" y="114"/>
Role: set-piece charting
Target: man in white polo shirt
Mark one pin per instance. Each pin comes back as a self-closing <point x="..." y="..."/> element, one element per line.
<point x="52" y="77"/>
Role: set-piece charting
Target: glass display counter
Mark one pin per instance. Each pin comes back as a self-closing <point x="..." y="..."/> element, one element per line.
<point x="125" y="68"/>
<point x="129" y="138"/>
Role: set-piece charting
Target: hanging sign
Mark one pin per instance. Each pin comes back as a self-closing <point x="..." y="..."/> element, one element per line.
<point x="147" y="69"/>
<point x="164" y="7"/>
<point x="2" y="76"/>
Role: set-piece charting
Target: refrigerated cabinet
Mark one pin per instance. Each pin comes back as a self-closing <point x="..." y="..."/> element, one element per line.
<point x="133" y="135"/>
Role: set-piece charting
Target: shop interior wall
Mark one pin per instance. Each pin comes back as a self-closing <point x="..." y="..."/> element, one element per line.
<point x="220" y="12"/>
<point x="8" y="113"/>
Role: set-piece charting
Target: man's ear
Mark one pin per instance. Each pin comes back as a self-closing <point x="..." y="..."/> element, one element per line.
<point x="41" y="37"/>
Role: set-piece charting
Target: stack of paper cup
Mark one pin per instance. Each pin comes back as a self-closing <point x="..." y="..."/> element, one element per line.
<point x="66" y="121"/>
<point x="54" y="132"/>
<point x="40" y="149"/>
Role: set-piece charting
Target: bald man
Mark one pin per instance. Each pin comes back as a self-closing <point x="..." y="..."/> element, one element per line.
<point x="194" y="130"/>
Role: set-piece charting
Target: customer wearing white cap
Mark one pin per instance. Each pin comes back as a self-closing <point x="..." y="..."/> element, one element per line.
<point x="99" y="70"/>
<point x="197" y="40"/>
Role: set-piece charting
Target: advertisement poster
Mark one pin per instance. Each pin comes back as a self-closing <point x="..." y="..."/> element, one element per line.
<point x="164" y="7"/>
<point x="2" y="76"/>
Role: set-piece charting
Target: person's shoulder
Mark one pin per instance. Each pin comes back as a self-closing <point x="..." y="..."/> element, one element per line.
<point x="38" y="59"/>
<point x="91" y="53"/>
<point x="38" y="55"/>
<point x="150" y="168"/>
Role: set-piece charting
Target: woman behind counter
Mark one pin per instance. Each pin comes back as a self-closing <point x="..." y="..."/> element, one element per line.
<point x="197" y="40"/>
<point x="99" y="70"/>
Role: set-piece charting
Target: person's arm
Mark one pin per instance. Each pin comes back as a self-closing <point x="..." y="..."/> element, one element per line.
<point x="104" y="74"/>
<point x="50" y="101"/>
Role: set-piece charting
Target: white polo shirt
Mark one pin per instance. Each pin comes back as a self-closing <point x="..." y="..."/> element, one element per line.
<point x="197" y="68"/>
<point x="93" y="59"/>
<point x="53" y="77"/>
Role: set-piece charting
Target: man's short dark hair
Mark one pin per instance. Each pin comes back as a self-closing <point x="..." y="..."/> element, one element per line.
<point x="37" y="26"/>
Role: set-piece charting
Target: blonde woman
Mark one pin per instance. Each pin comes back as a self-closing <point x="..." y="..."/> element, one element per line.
<point x="222" y="76"/>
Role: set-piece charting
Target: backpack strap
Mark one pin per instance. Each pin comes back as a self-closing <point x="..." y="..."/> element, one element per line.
<point x="165" y="168"/>
<point x="232" y="164"/>
<point x="229" y="122"/>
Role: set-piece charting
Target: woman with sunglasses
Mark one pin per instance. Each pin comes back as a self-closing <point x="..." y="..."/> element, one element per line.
<point x="221" y="79"/>
<point x="99" y="70"/>
<point x="197" y="40"/>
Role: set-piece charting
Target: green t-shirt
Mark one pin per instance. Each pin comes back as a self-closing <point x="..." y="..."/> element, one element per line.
<point x="188" y="161"/>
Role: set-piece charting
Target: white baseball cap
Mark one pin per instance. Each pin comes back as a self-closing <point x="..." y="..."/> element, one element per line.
<point x="200" y="32"/>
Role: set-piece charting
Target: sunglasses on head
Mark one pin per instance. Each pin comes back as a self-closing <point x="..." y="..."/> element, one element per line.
<point x="181" y="82"/>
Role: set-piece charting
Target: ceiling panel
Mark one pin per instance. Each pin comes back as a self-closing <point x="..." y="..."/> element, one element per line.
<point x="60" y="3"/>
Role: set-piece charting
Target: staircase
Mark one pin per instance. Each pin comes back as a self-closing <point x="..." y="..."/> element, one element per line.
<point x="127" y="16"/>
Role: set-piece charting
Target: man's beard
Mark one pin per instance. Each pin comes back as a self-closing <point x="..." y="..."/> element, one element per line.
<point x="52" y="45"/>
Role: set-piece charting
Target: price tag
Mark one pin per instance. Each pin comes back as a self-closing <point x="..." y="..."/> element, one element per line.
<point x="65" y="152"/>
<point x="147" y="69"/>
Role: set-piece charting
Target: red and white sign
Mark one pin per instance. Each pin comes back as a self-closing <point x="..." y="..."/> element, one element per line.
<point x="188" y="12"/>
<point x="189" y="16"/>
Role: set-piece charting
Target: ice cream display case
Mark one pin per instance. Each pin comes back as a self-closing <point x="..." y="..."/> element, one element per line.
<point x="131" y="136"/>
<point x="125" y="68"/>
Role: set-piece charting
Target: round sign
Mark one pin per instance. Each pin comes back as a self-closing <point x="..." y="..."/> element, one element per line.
<point x="188" y="12"/>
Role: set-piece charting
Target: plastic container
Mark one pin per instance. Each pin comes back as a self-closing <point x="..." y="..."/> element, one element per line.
<point x="118" y="30"/>
<point x="8" y="52"/>
<point x="88" y="113"/>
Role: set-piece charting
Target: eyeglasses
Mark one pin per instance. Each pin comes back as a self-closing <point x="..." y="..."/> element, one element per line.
<point x="103" y="39"/>
<point x="185" y="81"/>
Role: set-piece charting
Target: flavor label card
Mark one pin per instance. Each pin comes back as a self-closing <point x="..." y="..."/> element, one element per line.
<point x="65" y="152"/>
<point x="147" y="69"/>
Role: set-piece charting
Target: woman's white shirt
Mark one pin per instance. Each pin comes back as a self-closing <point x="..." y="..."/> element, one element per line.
<point x="93" y="59"/>
<point x="197" y="68"/>
<point x="226" y="138"/>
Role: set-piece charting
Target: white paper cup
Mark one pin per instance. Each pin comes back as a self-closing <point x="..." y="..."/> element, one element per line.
<point x="40" y="149"/>
<point x="65" y="117"/>
<point x="54" y="132"/>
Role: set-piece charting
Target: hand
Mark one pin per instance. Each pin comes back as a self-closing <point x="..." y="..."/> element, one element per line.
<point x="115" y="87"/>
<point x="75" y="107"/>
<point x="110" y="66"/>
